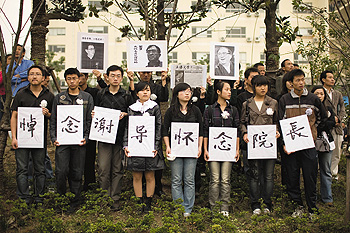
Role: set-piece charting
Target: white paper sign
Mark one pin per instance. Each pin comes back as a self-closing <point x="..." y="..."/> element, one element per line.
<point x="262" y="142"/>
<point x="184" y="139"/>
<point x="70" y="124"/>
<point x="92" y="52"/>
<point x="147" y="55"/>
<point x="224" y="61"/>
<point x="194" y="75"/>
<point x="141" y="136"/>
<point x="297" y="134"/>
<point x="104" y="125"/>
<point x="222" y="144"/>
<point x="30" y="127"/>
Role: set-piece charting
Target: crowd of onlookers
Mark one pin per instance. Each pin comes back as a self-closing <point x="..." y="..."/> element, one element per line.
<point x="258" y="100"/>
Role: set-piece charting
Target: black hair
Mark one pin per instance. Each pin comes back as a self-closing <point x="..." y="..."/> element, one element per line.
<point x="24" y="50"/>
<point x="283" y="63"/>
<point x="256" y="65"/>
<point x="259" y="80"/>
<point x="175" y="104"/>
<point x="319" y="87"/>
<point x="85" y="74"/>
<point x="114" y="68"/>
<point x="36" y="66"/>
<point x="220" y="85"/>
<point x="286" y="77"/>
<point x="71" y="71"/>
<point x="248" y="71"/>
<point x="296" y="72"/>
<point x="141" y="86"/>
<point x="296" y="64"/>
<point x="324" y="75"/>
<point x="153" y="45"/>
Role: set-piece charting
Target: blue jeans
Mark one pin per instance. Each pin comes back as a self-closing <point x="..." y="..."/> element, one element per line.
<point x="48" y="167"/>
<point x="220" y="186"/>
<point x="183" y="170"/>
<point x="325" y="161"/>
<point x="22" y="161"/>
<point x="261" y="170"/>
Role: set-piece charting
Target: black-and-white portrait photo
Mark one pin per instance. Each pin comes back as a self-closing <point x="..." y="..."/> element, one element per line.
<point x="153" y="55"/>
<point x="92" y="55"/>
<point x="224" y="61"/>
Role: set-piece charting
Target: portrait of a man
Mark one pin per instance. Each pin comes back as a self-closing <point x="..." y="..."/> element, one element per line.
<point x="224" y="61"/>
<point x="153" y="55"/>
<point x="92" y="55"/>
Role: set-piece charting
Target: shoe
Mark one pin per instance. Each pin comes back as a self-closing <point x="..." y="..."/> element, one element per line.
<point x="115" y="206"/>
<point x="140" y="202"/>
<point x="257" y="211"/>
<point x="187" y="215"/>
<point x="266" y="211"/>
<point x="225" y="213"/>
<point x="147" y="208"/>
<point x="298" y="212"/>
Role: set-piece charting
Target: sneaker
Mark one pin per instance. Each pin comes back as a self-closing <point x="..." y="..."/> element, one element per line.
<point x="257" y="211"/>
<point x="187" y="215"/>
<point x="298" y="212"/>
<point x="225" y="213"/>
<point x="266" y="211"/>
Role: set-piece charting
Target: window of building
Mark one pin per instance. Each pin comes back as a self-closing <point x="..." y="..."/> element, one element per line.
<point x="236" y="32"/>
<point x="298" y="58"/>
<point x="174" y="32"/>
<point x="263" y="57"/>
<point x="57" y="48"/>
<point x="235" y="8"/>
<point x="307" y="10"/>
<point x="98" y="29"/>
<point x="96" y="4"/>
<point x="205" y="34"/>
<point x="243" y="58"/>
<point x="168" y="6"/>
<point x="172" y="57"/>
<point x="131" y="5"/>
<point x="194" y="3"/>
<point x="57" y="31"/>
<point x="198" y="56"/>
<point x="262" y="32"/>
<point x="305" y="32"/>
<point x="124" y="56"/>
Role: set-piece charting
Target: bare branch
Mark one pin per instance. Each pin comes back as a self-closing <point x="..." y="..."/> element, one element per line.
<point x="171" y="20"/>
<point x="127" y="18"/>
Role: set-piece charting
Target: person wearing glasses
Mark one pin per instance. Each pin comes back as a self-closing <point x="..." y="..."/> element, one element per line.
<point x="225" y="66"/>
<point x="153" y="55"/>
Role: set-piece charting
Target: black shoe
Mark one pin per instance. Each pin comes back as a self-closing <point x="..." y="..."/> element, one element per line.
<point x="147" y="208"/>
<point x="115" y="206"/>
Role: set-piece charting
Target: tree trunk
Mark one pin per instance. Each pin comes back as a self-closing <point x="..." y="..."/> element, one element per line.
<point x="38" y="34"/>
<point x="161" y="28"/>
<point x="272" y="49"/>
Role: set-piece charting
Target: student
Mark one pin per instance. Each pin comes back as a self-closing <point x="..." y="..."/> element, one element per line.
<point x="220" y="172"/>
<point x="33" y="95"/>
<point x="260" y="110"/>
<point x="145" y="165"/>
<point x="300" y="102"/>
<point x="325" y="158"/>
<point x="70" y="159"/>
<point x="109" y="158"/>
<point x="182" y="169"/>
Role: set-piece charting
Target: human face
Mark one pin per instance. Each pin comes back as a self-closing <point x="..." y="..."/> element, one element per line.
<point x="299" y="83"/>
<point x="115" y="77"/>
<point x="72" y="81"/>
<point x="289" y="85"/>
<point x="82" y="79"/>
<point x="145" y="76"/>
<point x="225" y="93"/>
<point x="153" y="54"/>
<point x="329" y="80"/>
<point x="90" y="51"/>
<point x="320" y="93"/>
<point x="288" y="66"/>
<point x="35" y="77"/>
<point x="144" y="94"/>
<point x="261" y="90"/>
<point x="8" y="60"/>
<point x="18" y="52"/>
<point x="224" y="56"/>
<point x="249" y="80"/>
<point x="261" y="70"/>
<point x="46" y="81"/>
<point x="185" y="95"/>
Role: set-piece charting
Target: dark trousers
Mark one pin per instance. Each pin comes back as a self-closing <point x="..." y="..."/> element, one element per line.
<point x="307" y="161"/>
<point x="70" y="162"/>
<point x="89" y="169"/>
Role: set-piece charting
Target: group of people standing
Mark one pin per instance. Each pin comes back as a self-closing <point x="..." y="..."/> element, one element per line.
<point x="222" y="104"/>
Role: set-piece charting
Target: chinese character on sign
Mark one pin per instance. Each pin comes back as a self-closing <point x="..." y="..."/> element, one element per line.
<point x="70" y="126"/>
<point x="224" y="145"/>
<point x="30" y="125"/>
<point x="261" y="140"/>
<point x="101" y="125"/>
<point x="141" y="131"/>
<point x="294" y="131"/>
<point x="178" y="137"/>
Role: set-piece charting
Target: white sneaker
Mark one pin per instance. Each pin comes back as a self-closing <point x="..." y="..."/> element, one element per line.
<point x="225" y="213"/>
<point x="298" y="212"/>
<point x="266" y="211"/>
<point x="187" y="215"/>
<point x="257" y="211"/>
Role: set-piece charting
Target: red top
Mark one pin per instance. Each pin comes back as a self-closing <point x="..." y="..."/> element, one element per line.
<point x="2" y="87"/>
